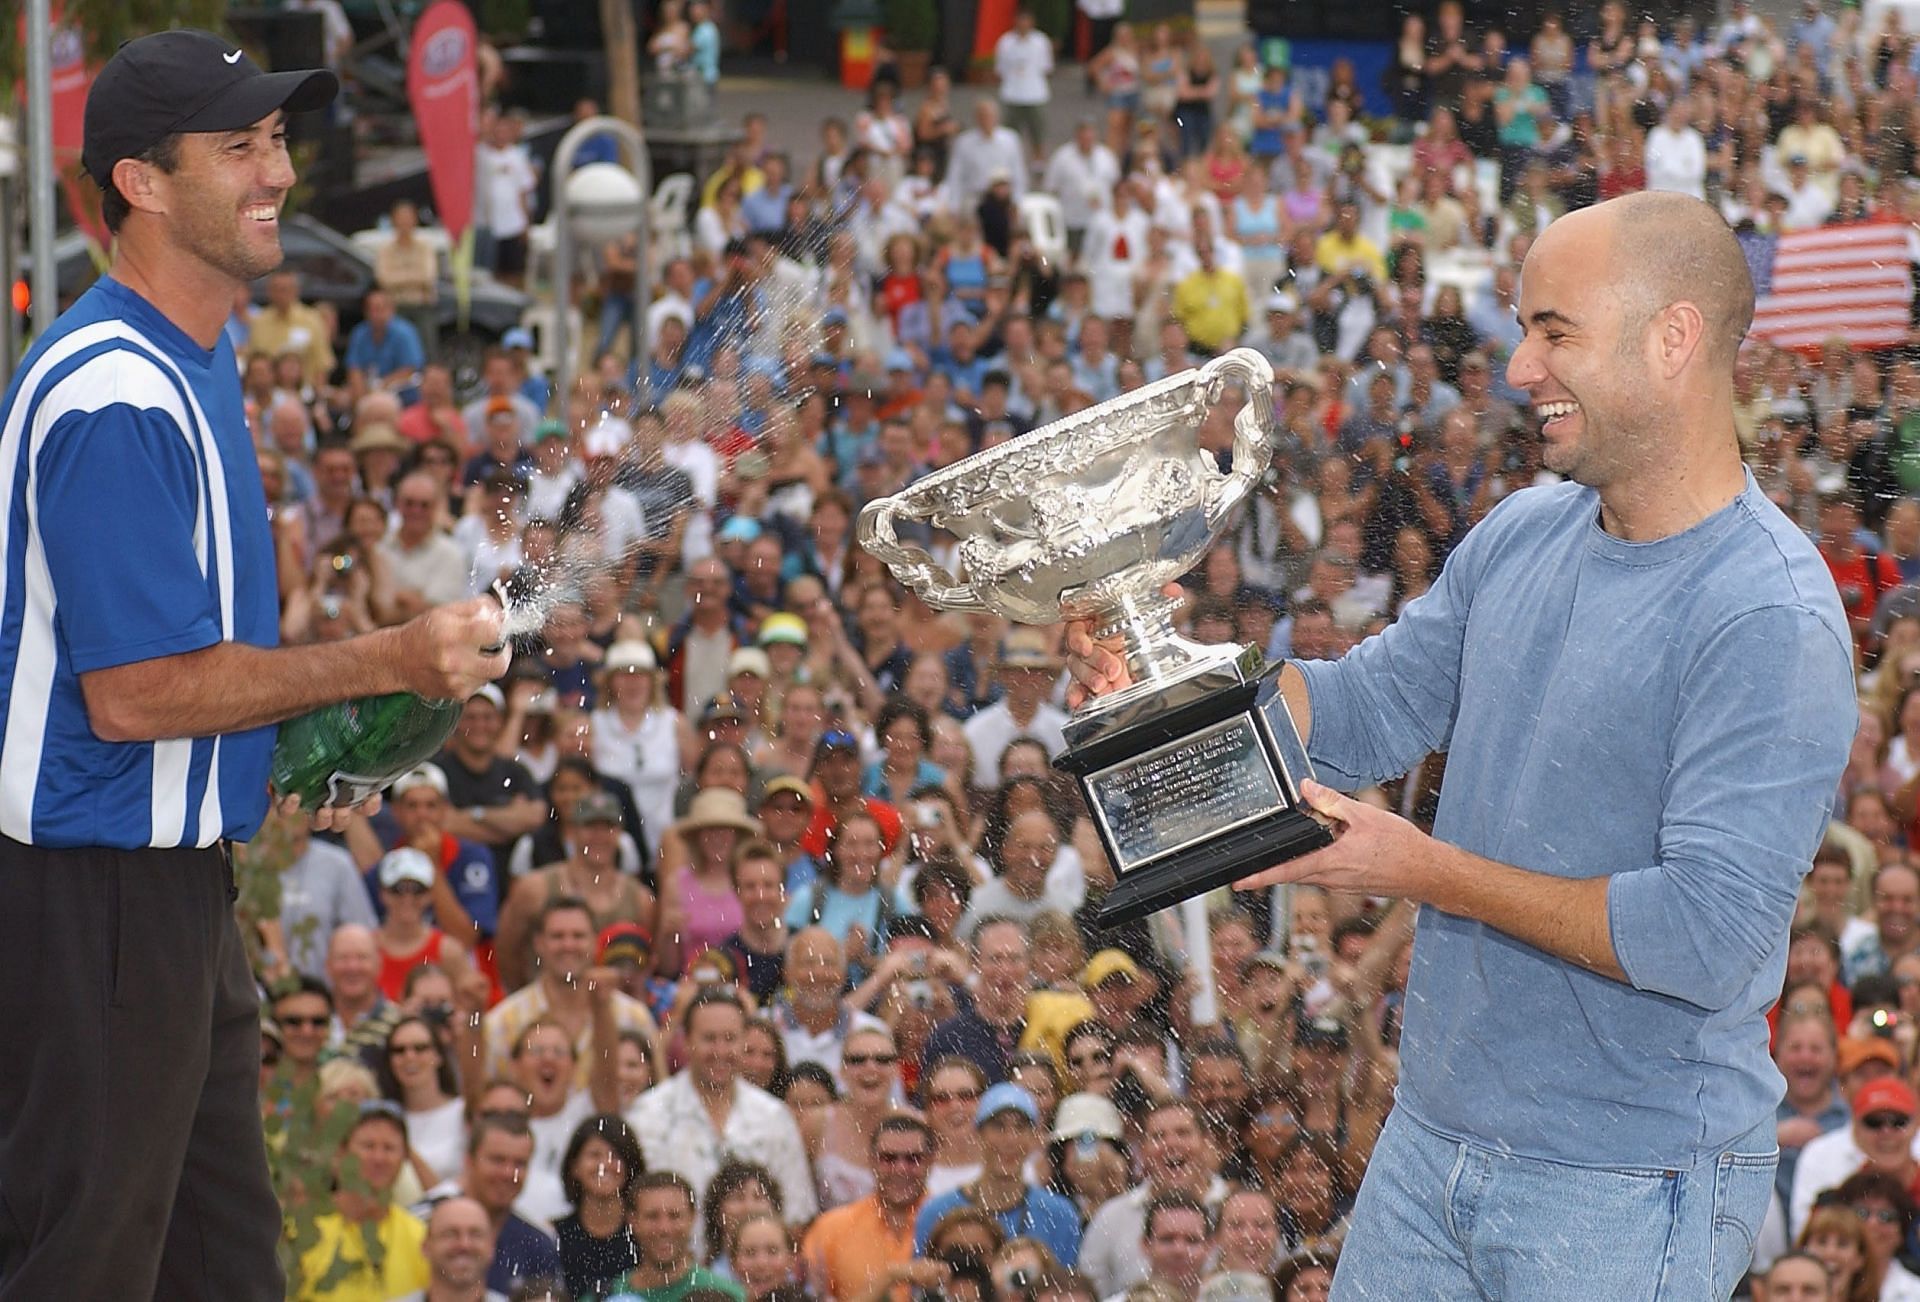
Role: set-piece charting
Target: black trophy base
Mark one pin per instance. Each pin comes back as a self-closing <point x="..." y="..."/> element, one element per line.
<point x="1192" y="786"/>
<point x="1219" y="862"/>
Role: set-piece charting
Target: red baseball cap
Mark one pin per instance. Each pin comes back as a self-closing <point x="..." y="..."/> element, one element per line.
<point x="1887" y="1094"/>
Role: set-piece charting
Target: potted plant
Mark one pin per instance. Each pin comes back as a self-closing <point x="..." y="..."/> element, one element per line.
<point x="912" y="26"/>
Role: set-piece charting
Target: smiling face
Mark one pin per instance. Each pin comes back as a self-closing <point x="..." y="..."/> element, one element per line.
<point x="564" y="944"/>
<point x="856" y="854"/>
<point x="635" y="1072"/>
<point x="412" y="1055"/>
<point x="221" y="203"/>
<point x="662" y="1221"/>
<point x="1570" y="360"/>
<point x="868" y="1064"/>
<point x="1176" y="1244"/>
<point x="1896" y="902"/>
<point x="1805" y="1055"/>
<point x="1882" y="1223"/>
<point x="1885" y="1136"/>
<point x="762" y="1256"/>
<point x="900" y="1159"/>
<point x="760" y="883"/>
<point x="303" y="1019"/>
<point x="713" y="1045"/>
<point x="599" y="1169"/>
<point x="1249" y="1230"/>
<point x="1841" y="1253"/>
<point x="952" y="1095"/>
<point x="1172" y="1148"/>
<point x="378" y="1147"/>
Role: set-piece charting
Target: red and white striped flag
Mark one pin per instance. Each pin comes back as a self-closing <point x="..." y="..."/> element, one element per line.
<point x="1854" y="280"/>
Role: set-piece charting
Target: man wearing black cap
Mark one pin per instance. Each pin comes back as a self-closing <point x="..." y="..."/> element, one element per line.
<point x="139" y="686"/>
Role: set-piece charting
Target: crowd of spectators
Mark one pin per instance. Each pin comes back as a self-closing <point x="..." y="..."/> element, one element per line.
<point x="736" y="944"/>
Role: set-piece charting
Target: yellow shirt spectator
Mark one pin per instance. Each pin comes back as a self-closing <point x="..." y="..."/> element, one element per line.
<point x="296" y="328"/>
<point x="1211" y="306"/>
<point x="337" y="1269"/>
<point x="1334" y="253"/>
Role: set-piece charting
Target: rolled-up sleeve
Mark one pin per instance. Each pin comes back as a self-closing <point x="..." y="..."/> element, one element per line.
<point x="1768" y="713"/>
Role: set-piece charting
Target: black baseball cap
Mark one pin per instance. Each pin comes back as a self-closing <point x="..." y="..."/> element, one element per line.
<point x="185" y="80"/>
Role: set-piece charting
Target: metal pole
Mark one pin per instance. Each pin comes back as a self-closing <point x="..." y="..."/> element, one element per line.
<point x="7" y="276"/>
<point x="9" y="248"/>
<point x="39" y="123"/>
<point x="563" y="246"/>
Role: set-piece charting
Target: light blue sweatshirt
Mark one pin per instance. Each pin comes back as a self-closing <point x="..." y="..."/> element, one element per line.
<point x="1674" y="714"/>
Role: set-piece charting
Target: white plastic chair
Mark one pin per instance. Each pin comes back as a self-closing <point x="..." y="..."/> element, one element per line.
<point x="1046" y="225"/>
<point x="1386" y="164"/>
<point x="540" y="249"/>
<point x="667" y="215"/>
<point x="539" y="320"/>
<point x="370" y="241"/>
<point x="1470" y="272"/>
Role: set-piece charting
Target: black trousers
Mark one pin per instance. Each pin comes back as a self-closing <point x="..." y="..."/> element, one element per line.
<point x="132" y="1163"/>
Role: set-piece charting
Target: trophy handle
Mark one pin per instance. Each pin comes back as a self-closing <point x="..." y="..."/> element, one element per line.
<point x="911" y="563"/>
<point x="1253" y="439"/>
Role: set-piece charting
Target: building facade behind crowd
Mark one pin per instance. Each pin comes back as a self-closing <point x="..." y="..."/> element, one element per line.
<point x="736" y="945"/>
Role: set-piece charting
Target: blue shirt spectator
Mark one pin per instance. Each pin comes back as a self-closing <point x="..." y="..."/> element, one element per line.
<point x="384" y="345"/>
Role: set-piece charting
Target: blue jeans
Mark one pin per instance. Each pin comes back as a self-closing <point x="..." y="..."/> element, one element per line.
<point x="616" y="310"/>
<point x="1443" y="1220"/>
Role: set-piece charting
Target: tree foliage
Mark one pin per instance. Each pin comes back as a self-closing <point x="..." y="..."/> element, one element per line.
<point x="104" y="24"/>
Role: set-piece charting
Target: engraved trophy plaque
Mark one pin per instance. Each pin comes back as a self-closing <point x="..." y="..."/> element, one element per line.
<point x="1193" y="771"/>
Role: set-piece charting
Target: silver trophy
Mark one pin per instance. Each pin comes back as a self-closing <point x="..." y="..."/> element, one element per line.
<point x="1193" y="771"/>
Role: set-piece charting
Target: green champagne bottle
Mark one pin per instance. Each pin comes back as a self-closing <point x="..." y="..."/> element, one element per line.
<point x="341" y="754"/>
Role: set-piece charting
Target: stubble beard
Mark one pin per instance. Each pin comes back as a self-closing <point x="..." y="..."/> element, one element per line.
<point x="218" y="239"/>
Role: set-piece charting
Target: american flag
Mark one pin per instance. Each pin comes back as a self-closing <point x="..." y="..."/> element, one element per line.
<point x="1853" y="280"/>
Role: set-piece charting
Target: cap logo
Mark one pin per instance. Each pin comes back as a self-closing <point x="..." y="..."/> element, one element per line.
<point x="232" y="58"/>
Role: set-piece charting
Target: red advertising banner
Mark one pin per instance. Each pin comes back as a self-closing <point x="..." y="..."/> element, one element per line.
<point x="444" y="90"/>
<point x="72" y="76"/>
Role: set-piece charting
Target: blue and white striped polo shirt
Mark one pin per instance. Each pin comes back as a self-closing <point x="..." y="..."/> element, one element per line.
<point x="133" y="526"/>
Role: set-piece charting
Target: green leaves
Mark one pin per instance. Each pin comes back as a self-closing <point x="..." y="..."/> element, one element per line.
<point x="104" y="24"/>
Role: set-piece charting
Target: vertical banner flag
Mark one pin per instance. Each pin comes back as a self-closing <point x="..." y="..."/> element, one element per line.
<point x="443" y="89"/>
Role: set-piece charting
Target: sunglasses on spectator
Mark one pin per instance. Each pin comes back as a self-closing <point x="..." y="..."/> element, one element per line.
<point x="1886" y="1121"/>
<point x="953" y="1096"/>
<point x="870" y="1059"/>
<point x="1093" y="1059"/>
